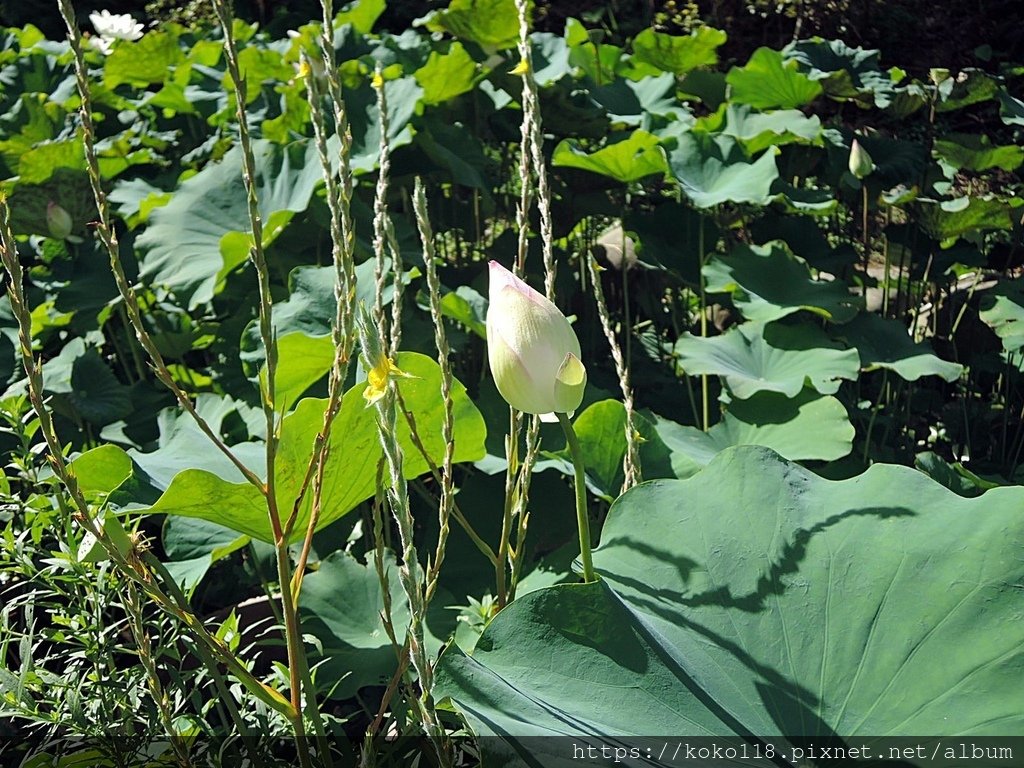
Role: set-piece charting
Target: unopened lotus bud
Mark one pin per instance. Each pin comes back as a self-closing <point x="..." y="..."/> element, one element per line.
<point x="861" y="165"/>
<point x="533" y="352"/>
<point x="58" y="221"/>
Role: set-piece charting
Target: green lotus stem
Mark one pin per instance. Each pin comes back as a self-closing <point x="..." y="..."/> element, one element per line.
<point x="581" y="496"/>
<point x="704" y="389"/>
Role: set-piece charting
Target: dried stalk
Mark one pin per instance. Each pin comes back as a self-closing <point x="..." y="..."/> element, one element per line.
<point x="631" y="461"/>
<point x="448" y="427"/>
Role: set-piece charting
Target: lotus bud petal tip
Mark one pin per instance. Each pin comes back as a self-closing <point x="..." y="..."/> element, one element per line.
<point x="532" y="350"/>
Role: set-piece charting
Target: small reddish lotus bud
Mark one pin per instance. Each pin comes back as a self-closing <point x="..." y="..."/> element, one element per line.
<point x="58" y="221"/>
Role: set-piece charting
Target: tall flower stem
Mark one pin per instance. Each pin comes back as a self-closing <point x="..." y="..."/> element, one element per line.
<point x="580" y="482"/>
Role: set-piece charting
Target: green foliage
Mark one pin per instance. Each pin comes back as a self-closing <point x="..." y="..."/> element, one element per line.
<point x="768" y="81"/>
<point x="697" y="575"/>
<point x="208" y="216"/>
<point x="770" y="358"/>
<point x="768" y="283"/>
<point x="765" y="302"/>
<point x="678" y="54"/>
<point x="712" y="170"/>
<point x="349" y="476"/>
<point x="632" y="159"/>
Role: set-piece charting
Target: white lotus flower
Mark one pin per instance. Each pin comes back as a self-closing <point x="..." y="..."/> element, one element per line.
<point x="532" y="350"/>
<point x="113" y="26"/>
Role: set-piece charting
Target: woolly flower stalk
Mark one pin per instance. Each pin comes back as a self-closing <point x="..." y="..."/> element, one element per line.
<point x="113" y="26"/>
<point x="533" y="352"/>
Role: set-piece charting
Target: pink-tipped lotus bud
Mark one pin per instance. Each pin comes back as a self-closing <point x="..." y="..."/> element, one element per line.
<point x="58" y="221"/>
<point x="533" y="352"/>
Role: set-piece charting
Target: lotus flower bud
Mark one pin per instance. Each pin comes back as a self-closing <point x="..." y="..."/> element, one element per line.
<point x="532" y="350"/>
<point x="861" y="165"/>
<point x="58" y="221"/>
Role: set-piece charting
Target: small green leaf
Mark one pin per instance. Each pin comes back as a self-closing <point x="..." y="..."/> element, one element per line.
<point x="101" y="469"/>
<point x="885" y="343"/>
<point x="754" y="357"/>
<point x="769" y="81"/>
<point x="143" y="62"/>
<point x="447" y="75"/>
<point x="768" y="282"/>
<point x="678" y="54"/>
<point x="466" y="306"/>
<point x="715" y="169"/>
<point x="634" y="158"/>
<point x="975" y="152"/>
<point x="491" y="24"/>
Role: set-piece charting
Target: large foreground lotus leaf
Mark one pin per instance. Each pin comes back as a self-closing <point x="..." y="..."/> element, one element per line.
<point x="182" y="244"/>
<point x="768" y="282"/>
<point x="350" y="476"/>
<point x="759" y="598"/>
<point x="714" y="169"/>
<point x="884" y="343"/>
<point x="754" y="357"/>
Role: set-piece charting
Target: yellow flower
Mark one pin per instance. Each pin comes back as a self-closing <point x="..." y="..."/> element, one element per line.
<point x="377" y="81"/>
<point x="521" y="68"/>
<point x="377" y="378"/>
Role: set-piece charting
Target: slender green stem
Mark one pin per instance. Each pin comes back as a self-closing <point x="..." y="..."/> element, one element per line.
<point x="581" y="496"/>
<point x="512" y="457"/>
<point x="864" y="227"/>
<point x="296" y="652"/>
<point x="704" y="391"/>
<point x="874" y="415"/>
